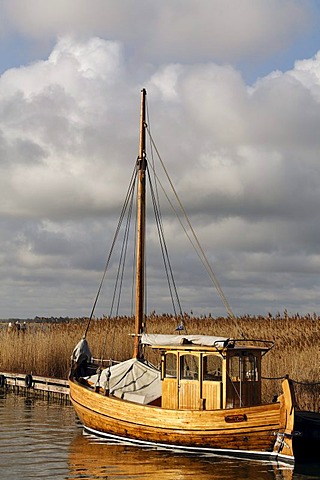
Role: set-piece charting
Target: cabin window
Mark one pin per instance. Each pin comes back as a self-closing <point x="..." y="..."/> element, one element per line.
<point x="171" y="365"/>
<point x="189" y="367"/>
<point x="244" y="367"/>
<point x="251" y="368"/>
<point x="212" y="367"/>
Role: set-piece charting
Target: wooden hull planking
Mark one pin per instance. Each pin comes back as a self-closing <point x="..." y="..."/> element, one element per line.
<point x="196" y="429"/>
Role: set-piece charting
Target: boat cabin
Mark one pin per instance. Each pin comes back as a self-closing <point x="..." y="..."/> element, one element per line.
<point x="209" y="378"/>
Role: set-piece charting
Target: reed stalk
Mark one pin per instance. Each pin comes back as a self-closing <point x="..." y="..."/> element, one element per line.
<point x="45" y="348"/>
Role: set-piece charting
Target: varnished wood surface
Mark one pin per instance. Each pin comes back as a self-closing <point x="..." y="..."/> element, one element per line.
<point x="200" y="428"/>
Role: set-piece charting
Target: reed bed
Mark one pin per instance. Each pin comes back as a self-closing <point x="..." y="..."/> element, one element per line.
<point x="45" y="348"/>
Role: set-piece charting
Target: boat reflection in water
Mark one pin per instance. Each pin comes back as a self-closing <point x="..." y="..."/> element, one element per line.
<point x="92" y="458"/>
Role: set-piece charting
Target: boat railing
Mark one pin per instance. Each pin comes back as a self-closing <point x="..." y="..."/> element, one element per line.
<point x="105" y="362"/>
<point x="267" y="345"/>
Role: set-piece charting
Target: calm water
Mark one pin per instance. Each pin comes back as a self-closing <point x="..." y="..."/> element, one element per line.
<point x="40" y="439"/>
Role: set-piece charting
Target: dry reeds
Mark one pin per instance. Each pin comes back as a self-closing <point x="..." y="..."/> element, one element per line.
<point x="45" y="348"/>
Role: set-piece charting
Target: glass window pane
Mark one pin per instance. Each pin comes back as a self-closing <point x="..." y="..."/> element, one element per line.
<point x="189" y="368"/>
<point x="171" y="365"/>
<point x="250" y="368"/>
<point x="243" y="367"/>
<point x="212" y="367"/>
<point x="235" y="368"/>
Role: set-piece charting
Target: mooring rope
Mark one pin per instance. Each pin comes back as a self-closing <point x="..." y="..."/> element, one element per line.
<point x="291" y="380"/>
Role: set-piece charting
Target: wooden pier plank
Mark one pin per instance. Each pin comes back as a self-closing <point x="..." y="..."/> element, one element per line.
<point x="43" y="384"/>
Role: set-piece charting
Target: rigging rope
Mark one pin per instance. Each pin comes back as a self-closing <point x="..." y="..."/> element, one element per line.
<point x="122" y="260"/>
<point x="156" y="202"/>
<point x="164" y="250"/>
<point x="124" y="208"/>
<point x="194" y="240"/>
<point x="198" y="248"/>
<point x="291" y="380"/>
<point x="121" y="267"/>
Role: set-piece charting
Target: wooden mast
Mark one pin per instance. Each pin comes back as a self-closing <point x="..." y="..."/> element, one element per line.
<point x="141" y="213"/>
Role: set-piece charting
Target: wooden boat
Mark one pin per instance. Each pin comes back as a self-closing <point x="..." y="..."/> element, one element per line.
<point x="206" y="395"/>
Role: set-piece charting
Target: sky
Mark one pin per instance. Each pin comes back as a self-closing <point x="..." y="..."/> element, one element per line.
<point x="234" y="103"/>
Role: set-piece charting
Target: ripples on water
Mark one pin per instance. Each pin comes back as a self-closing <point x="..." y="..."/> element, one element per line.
<point x="35" y="438"/>
<point x="40" y="439"/>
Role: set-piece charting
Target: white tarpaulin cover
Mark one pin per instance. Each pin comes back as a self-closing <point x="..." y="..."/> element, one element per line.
<point x="132" y="380"/>
<point x="158" y="339"/>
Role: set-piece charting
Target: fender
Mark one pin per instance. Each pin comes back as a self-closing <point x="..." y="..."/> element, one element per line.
<point x="28" y="381"/>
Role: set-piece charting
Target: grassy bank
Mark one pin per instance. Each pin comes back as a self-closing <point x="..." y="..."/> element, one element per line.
<point x="45" y="348"/>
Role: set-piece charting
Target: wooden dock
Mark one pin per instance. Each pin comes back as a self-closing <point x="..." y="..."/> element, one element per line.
<point x="27" y="384"/>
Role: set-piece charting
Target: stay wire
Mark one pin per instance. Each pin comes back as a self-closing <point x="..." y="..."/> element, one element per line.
<point x="133" y="282"/>
<point x="125" y="255"/>
<point x="131" y="185"/>
<point x="119" y="276"/>
<point x="200" y="252"/>
<point x="122" y="260"/>
<point x="164" y="250"/>
<point x="157" y="202"/>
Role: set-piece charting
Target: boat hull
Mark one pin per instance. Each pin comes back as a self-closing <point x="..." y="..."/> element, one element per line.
<point x="306" y="441"/>
<point x="244" y="432"/>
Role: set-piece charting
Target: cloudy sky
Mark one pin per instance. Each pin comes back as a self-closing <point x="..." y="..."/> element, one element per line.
<point x="234" y="102"/>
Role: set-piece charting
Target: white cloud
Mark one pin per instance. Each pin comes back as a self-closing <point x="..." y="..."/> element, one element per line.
<point x="51" y="109"/>
<point x="245" y="162"/>
<point x="169" y="30"/>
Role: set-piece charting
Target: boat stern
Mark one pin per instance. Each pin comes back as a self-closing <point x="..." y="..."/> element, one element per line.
<point x="284" y="437"/>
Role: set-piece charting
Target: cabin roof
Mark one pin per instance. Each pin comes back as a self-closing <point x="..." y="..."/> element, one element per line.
<point x="207" y="349"/>
<point x="154" y="339"/>
<point x="203" y="343"/>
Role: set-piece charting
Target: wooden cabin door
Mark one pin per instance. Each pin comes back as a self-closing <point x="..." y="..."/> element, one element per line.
<point x="243" y="380"/>
<point x="189" y="382"/>
<point x="170" y="398"/>
<point x="212" y="381"/>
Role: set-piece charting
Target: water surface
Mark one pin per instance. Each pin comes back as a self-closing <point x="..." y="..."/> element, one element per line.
<point x="43" y="440"/>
